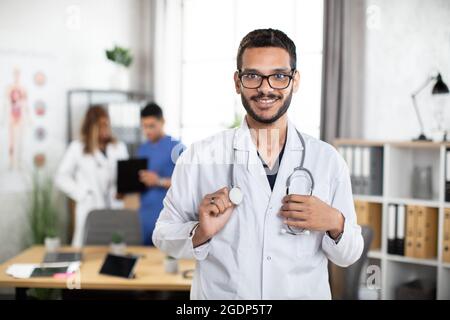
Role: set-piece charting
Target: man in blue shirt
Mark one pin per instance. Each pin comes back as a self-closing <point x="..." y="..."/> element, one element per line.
<point x="161" y="151"/>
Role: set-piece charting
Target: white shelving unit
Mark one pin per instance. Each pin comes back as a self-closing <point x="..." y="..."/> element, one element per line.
<point x="399" y="158"/>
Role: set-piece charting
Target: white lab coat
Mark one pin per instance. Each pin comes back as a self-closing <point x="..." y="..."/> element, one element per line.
<point x="90" y="180"/>
<point x="250" y="258"/>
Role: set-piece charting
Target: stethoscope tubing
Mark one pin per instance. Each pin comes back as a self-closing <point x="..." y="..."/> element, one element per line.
<point x="289" y="229"/>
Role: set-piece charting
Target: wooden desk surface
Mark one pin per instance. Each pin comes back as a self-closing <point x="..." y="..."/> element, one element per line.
<point x="150" y="274"/>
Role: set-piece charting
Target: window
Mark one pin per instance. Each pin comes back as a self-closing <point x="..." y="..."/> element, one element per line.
<point x="211" y="31"/>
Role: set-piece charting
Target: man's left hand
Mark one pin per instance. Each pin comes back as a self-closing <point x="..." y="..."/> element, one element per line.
<point x="311" y="213"/>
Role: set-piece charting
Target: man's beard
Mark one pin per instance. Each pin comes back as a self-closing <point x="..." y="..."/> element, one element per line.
<point x="280" y="112"/>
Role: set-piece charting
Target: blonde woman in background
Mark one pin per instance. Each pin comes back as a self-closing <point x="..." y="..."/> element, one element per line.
<point x="87" y="173"/>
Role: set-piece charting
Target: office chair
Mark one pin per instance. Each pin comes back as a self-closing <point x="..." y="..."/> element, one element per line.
<point x="353" y="272"/>
<point x="345" y="282"/>
<point x="98" y="230"/>
<point x="102" y="224"/>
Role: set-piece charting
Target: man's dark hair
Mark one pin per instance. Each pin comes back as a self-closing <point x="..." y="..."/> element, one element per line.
<point x="152" y="110"/>
<point x="261" y="38"/>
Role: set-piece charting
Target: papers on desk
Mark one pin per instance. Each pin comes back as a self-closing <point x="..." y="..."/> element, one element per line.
<point x="21" y="271"/>
<point x="25" y="270"/>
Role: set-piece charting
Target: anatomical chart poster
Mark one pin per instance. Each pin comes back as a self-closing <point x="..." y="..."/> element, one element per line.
<point x="30" y="96"/>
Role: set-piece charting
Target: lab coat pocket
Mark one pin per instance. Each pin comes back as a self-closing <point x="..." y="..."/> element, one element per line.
<point x="308" y="244"/>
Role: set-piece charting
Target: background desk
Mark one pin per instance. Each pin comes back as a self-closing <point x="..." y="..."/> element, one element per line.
<point x="150" y="274"/>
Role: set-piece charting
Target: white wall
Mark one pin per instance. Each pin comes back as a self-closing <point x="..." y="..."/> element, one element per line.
<point x="409" y="41"/>
<point x="48" y="29"/>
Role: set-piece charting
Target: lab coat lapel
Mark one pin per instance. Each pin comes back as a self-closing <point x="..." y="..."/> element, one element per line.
<point x="291" y="159"/>
<point x="245" y="147"/>
<point x="100" y="158"/>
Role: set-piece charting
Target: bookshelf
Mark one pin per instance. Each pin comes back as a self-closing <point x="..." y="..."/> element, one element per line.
<point x="399" y="159"/>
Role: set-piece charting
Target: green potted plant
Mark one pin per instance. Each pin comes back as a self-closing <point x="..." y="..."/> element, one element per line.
<point x="43" y="224"/>
<point x="122" y="60"/>
<point x="118" y="245"/>
<point x="52" y="241"/>
<point x="43" y="214"/>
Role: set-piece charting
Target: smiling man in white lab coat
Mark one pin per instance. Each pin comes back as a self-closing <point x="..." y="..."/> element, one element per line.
<point x="241" y="251"/>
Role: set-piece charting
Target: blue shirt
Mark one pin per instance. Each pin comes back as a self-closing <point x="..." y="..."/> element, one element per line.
<point x="159" y="157"/>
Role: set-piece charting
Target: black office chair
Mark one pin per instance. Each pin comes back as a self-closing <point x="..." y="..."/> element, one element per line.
<point x="345" y="282"/>
<point x="102" y="224"/>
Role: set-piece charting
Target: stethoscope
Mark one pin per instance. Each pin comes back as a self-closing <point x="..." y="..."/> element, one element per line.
<point x="236" y="196"/>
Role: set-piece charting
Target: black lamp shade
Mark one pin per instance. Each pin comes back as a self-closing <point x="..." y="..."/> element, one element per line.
<point x="440" y="87"/>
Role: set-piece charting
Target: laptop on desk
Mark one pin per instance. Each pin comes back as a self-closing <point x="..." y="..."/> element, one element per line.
<point x="54" y="257"/>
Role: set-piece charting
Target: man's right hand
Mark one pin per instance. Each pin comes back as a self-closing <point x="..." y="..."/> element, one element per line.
<point x="149" y="178"/>
<point x="214" y="212"/>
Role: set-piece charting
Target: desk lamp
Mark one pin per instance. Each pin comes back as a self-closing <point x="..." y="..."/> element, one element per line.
<point x="439" y="88"/>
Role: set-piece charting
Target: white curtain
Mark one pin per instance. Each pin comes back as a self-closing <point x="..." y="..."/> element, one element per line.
<point x="166" y="67"/>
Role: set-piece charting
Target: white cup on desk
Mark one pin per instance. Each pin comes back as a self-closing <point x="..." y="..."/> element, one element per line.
<point x="170" y="265"/>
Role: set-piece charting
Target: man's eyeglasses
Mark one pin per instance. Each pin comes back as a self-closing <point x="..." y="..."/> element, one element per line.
<point x="251" y="80"/>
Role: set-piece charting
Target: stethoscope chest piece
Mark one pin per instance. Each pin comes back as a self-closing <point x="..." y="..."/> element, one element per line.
<point x="235" y="195"/>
